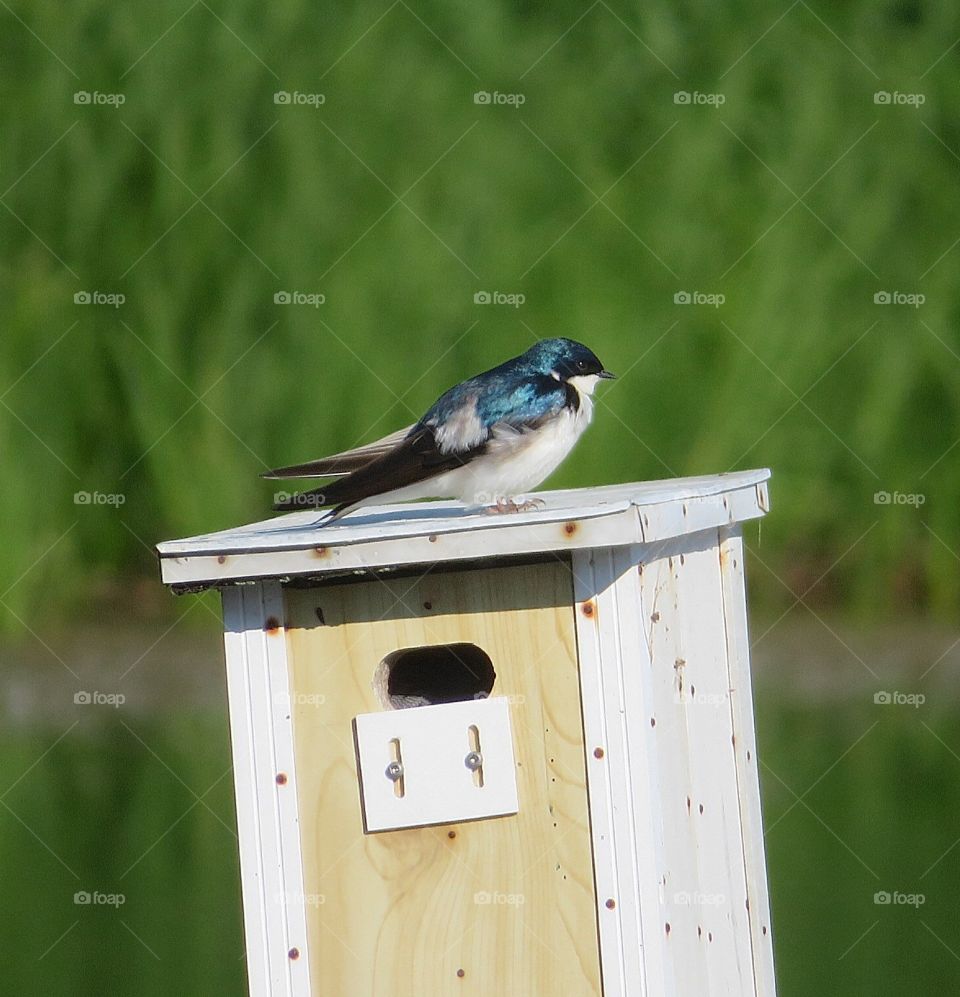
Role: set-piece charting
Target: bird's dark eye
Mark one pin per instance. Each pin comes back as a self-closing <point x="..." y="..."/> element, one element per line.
<point x="581" y="365"/>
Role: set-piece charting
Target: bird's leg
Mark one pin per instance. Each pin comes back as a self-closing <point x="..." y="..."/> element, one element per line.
<point x="529" y="505"/>
<point x="511" y="505"/>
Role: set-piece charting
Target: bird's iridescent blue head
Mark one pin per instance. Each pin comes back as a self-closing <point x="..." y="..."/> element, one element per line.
<point x="565" y="359"/>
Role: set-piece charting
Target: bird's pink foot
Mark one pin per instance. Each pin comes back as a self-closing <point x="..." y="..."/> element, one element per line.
<point x="511" y="505"/>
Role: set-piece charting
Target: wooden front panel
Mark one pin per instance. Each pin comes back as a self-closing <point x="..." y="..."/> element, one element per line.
<point x="500" y="906"/>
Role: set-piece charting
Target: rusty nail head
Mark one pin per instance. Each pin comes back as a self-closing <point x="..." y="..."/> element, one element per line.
<point x="281" y="778"/>
<point x="598" y="752"/>
<point x="611" y="903"/>
<point x="294" y="953"/>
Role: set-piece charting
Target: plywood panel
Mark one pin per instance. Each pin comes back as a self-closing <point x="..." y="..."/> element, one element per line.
<point x="508" y="903"/>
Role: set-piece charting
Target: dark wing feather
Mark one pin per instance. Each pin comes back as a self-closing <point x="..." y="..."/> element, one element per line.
<point x="341" y="463"/>
<point x="414" y="459"/>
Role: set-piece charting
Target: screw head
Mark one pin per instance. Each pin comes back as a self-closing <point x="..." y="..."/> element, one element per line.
<point x="473" y="761"/>
<point x="394" y="771"/>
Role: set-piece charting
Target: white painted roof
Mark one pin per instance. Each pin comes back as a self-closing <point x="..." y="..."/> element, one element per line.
<point x="426" y="532"/>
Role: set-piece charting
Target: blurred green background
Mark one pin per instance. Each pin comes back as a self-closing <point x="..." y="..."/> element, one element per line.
<point x="748" y="211"/>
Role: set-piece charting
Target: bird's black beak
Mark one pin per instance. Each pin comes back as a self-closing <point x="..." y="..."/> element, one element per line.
<point x="607" y="376"/>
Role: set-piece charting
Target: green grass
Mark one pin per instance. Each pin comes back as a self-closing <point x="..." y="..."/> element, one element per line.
<point x="108" y="809"/>
<point x="694" y="198"/>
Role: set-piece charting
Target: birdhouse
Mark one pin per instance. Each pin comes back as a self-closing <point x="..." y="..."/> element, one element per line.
<point x="487" y="755"/>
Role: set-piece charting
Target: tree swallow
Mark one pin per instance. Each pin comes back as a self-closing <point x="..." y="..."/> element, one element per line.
<point x="485" y="441"/>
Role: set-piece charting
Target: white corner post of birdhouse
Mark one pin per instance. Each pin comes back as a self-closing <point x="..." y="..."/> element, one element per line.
<point x="673" y="781"/>
<point x="258" y="690"/>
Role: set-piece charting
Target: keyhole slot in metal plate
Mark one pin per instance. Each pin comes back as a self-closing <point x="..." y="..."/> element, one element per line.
<point x="474" y="759"/>
<point x="394" y="771"/>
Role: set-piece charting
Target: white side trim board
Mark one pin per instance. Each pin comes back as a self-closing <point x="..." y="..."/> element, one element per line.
<point x="674" y="797"/>
<point x="738" y="663"/>
<point x="625" y="863"/>
<point x="267" y="820"/>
